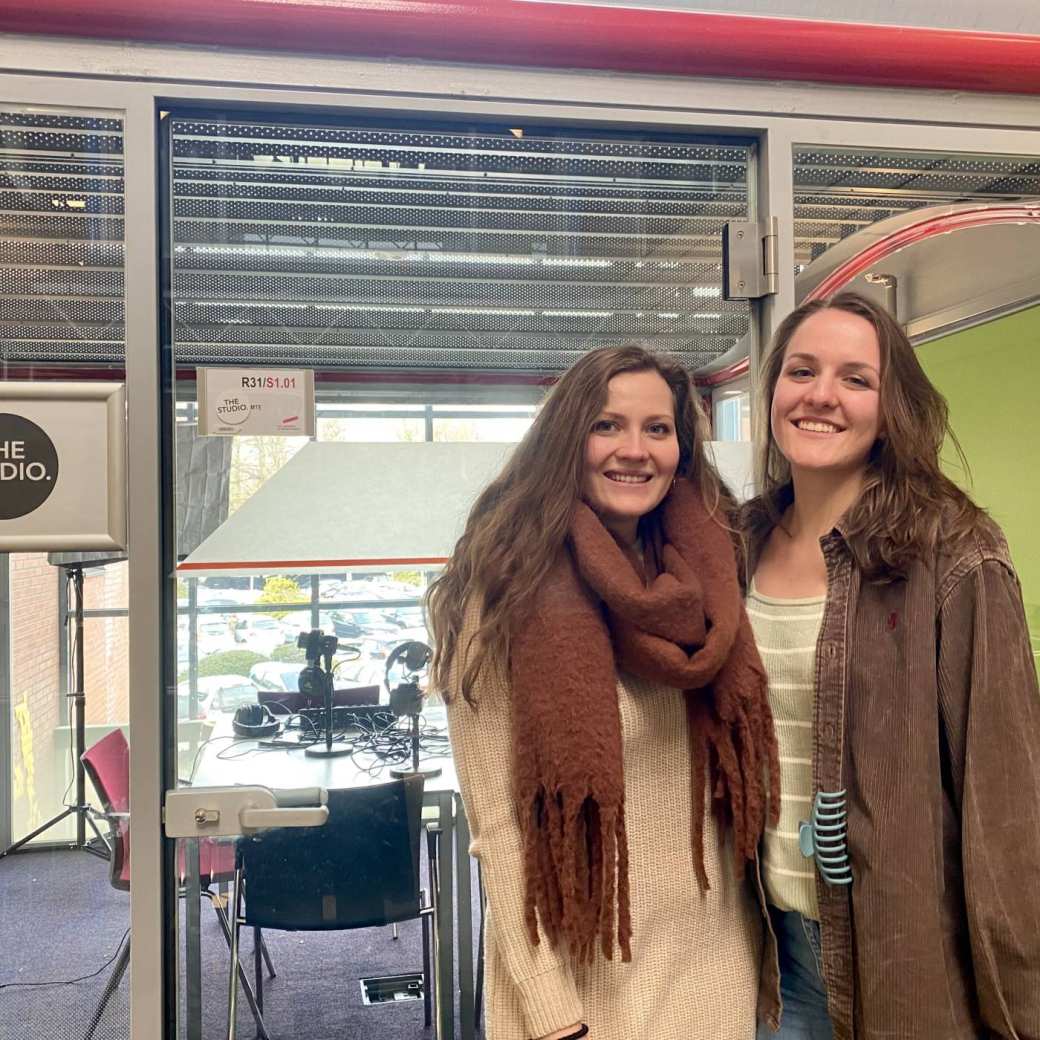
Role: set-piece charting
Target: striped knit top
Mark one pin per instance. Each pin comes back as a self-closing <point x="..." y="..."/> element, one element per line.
<point x="786" y="631"/>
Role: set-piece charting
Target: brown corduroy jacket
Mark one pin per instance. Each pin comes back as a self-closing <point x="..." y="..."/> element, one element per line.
<point x="928" y="715"/>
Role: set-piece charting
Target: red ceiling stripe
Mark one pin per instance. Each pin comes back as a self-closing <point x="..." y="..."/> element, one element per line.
<point x="560" y="35"/>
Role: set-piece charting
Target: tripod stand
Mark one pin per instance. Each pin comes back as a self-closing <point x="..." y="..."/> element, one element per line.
<point x="80" y="809"/>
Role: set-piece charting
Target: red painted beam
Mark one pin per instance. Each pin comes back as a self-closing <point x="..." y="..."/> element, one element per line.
<point x="559" y="35"/>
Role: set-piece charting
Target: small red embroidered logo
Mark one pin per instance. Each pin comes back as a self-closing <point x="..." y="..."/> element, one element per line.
<point x="893" y="620"/>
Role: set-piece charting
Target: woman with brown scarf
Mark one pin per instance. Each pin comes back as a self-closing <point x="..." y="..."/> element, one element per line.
<point x="609" y="719"/>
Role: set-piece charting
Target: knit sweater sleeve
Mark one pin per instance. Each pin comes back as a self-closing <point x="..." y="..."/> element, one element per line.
<point x="480" y="741"/>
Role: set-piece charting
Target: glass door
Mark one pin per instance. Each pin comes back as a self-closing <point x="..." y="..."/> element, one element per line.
<point x="434" y="278"/>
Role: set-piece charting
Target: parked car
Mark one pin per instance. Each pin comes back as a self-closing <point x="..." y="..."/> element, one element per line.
<point x="216" y="694"/>
<point x="219" y="601"/>
<point x="363" y="624"/>
<point x="405" y="617"/>
<point x="276" y="676"/>
<point x="213" y="635"/>
<point x="259" y="633"/>
<point x="363" y="672"/>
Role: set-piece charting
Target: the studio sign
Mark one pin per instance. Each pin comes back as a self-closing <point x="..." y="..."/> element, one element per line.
<point x="28" y="466"/>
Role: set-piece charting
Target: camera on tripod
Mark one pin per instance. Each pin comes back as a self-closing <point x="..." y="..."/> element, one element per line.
<point x="315" y="646"/>
<point x="315" y="684"/>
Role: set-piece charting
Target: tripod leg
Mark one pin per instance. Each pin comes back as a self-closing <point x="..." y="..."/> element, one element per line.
<point x="79" y="701"/>
<point x="110" y="988"/>
<point x="94" y="827"/>
<point x="39" y="830"/>
<point x="98" y="845"/>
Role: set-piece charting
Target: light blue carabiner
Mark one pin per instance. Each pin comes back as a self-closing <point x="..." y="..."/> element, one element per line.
<point x="825" y="838"/>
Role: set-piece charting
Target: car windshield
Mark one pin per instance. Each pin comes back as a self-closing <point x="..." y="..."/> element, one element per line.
<point x="369" y="617"/>
<point x="235" y="696"/>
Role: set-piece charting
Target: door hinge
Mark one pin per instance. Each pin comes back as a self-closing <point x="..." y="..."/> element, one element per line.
<point x="750" y="259"/>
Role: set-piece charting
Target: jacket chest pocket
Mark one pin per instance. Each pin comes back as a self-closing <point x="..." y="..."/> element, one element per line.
<point x="879" y="661"/>
<point x="891" y="717"/>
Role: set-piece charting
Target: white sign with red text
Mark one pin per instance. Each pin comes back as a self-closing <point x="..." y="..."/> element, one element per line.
<point x="256" y="402"/>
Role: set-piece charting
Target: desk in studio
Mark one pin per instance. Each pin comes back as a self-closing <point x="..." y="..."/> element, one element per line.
<point x="290" y="767"/>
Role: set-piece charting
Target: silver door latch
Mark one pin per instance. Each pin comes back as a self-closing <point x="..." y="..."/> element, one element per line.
<point x="216" y="812"/>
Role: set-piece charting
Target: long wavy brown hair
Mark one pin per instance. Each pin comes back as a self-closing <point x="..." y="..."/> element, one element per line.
<point x="519" y="523"/>
<point x="907" y="504"/>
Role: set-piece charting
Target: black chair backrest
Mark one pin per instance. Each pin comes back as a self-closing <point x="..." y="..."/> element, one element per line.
<point x="360" y="869"/>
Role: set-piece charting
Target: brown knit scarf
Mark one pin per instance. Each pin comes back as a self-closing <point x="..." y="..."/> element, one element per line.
<point x="684" y="627"/>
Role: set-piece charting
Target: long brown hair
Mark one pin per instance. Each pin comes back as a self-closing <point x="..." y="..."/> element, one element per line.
<point x="519" y="523"/>
<point x="907" y="503"/>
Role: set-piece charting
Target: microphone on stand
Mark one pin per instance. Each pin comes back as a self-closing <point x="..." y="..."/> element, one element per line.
<point x="406" y="698"/>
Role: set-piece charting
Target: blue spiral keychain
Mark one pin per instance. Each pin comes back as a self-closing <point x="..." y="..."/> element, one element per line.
<point x="825" y="837"/>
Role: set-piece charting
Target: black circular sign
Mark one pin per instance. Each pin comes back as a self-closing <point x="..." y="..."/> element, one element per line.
<point x="28" y="466"/>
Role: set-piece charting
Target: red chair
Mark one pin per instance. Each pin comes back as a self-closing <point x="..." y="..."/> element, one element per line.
<point x="107" y="763"/>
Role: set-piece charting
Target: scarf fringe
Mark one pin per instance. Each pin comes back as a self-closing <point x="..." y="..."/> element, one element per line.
<point x="740" y="769"/>
<point x="577" y="881"/>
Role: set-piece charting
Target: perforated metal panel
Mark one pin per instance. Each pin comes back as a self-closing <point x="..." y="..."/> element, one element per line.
<point x="839" y="191"/>
<point x="61" y="236"/>
<point x="489" y="248"/>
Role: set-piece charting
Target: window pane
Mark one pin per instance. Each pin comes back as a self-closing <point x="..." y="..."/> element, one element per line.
<point x="480" y="428"/>
<point x="839" y="191"/>
<point x="369" y="428"/>
<point x="489" y="247"/>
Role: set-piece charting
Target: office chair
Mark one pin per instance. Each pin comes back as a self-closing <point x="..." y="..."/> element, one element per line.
<point x="107" y="763"/>
<point x="359" y="870"/>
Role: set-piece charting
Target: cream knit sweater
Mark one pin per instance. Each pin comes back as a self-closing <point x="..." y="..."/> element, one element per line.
<point x="695" y="959"/>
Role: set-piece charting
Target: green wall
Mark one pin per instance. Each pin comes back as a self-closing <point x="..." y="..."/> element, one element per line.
<point x="990" y="375"/>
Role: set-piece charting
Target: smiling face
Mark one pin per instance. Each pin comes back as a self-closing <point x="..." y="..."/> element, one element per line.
<point x="632" y="451"/>
<point x="825" y="413"/>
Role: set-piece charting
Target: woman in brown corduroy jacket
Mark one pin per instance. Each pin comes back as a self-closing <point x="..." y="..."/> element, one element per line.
<point x="609" y="719"/>
<point x="909" y="723"/>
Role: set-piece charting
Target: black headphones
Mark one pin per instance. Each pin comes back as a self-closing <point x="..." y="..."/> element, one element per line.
<point x="415" y="655"/>
<point x="255" y="721"/>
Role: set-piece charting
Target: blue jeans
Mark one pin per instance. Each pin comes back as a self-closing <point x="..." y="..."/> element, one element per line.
<point x="801" y="982"/>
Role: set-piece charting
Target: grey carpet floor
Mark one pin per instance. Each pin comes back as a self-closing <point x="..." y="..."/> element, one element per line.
<point x="60" y="920"/>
